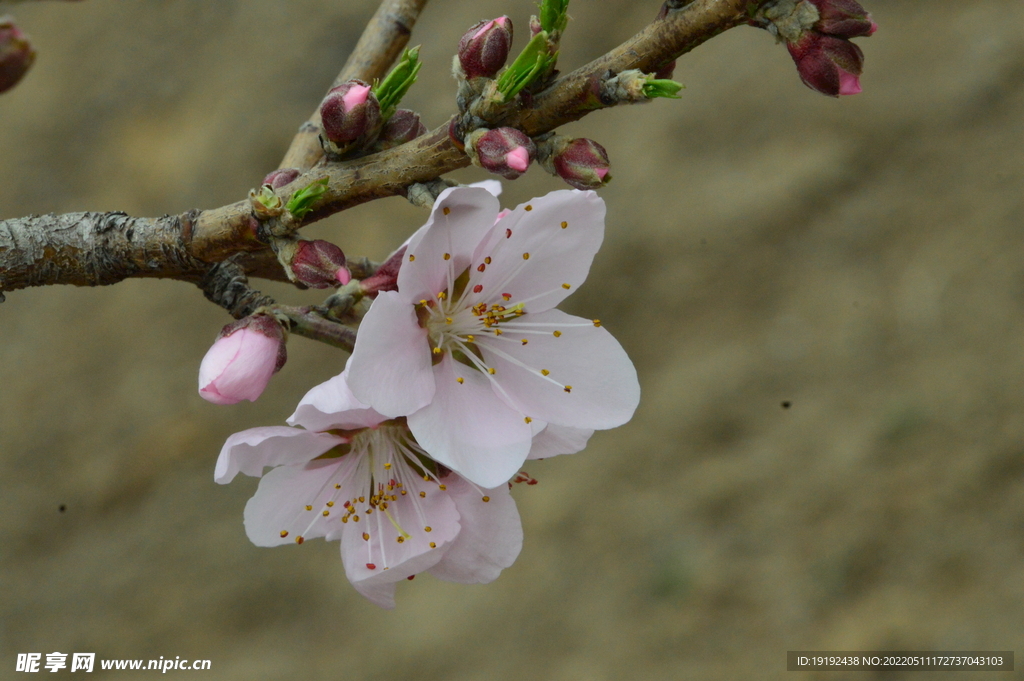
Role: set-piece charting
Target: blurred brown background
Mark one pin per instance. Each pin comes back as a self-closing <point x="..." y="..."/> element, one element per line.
<point x="859" y="259"/>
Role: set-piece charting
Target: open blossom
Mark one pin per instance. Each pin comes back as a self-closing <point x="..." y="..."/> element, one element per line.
<point x="470" y="347"/>
<point x="351" y="474"/>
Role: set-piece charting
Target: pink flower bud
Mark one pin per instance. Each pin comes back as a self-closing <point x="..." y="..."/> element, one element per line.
<point x="16" y="54"/>
<point x="830" y="65"/>
<point x="505" y="151"/>
<point x="403" y="126"/>
<point x="484" y="48"/>
<point x="319" y="264"/>
<point x="348" y="112"/>
<point x="386" y="276"/>
<point x="280" y="178"/>
<point x="241" y="361"/>
<point x="843" y="19"/>
<point x="583" y="163"/>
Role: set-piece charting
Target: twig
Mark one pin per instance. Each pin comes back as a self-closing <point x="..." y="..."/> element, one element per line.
<point x="382" y="42"/>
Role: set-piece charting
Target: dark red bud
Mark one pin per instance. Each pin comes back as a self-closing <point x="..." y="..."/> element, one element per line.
<point x="280" y="178"/>
<point x="319" y="264"/>
<point x="505" y="151"/>
<point x="403" y="126"/>
<point x="348" y="112"/>
<point x="830" y="65"/>
<point x="386" y="276"/>
<point x="16" y="54"/>
<point x="582" y="163"/>
<point x="485" y="47"/>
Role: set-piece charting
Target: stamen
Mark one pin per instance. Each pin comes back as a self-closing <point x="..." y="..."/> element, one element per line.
<point x="284" y="533"/>
<point x="411" y="257"/>
<point x="447" y="256"/>
<point x="446" y="210"/>
<point x="564" y="225"/>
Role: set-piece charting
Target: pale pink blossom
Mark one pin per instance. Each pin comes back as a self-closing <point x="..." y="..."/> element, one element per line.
<point x="241" y="361"/>
<point x="351" y="474"/>
<point x="470" y="347"/>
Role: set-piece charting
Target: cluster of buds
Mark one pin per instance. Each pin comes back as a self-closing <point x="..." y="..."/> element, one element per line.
<point x="504" y="151"/>
<point x="16" y="54"/>
<point x="313" y="263"/>
<point x="581" y="162"/>
<point x="243" y="358"/>
<point x="817" y="34"/>
<point x="349" y="114"/>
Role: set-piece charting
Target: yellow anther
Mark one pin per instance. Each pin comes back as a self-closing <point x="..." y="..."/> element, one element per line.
<point x="544" y="372"/>
<point x="597" y="322"/>
<point x="565" y="286"/>
<point x="441" y="487"/>
<point x="428" y="528"/>
<point x="528" y="419"/>
<point x="446" y="210"/>
<point x="447" y="256"/>
<point x="284" y="533"/>
<point x="525" y="341"/>
<point x="326" y="513"/>
<point x="437" y="351"/>
<point x="460" y="380"/>
<point x="498" y="332"/>
<point x="526" y="256"/>
<point x="308" y="507"/>
<point x="362" y="499"/>
<point x="487" y="260"/>
<point x="529" y="207"/>
<point x="558" y="334"/>
<point x="423" y="494"/>
<point x="486" y="499"/>
<point x="400" y="539"/>
<point x="300" y="539"/>
<point x="470" y="338"/>
<point x="442" y="295"/>
<point x="355" y="519"/>
<point x="330" y="504"/>
<point x="433" y="545"/>
<point x="564" y="225"/>
<point x="491" y="371"/>
<point x="366" y="536"/>
<point x="447" y="320"/>
<point x="337" y="485"/>
<point x="567" y="388"/>
<point x="344" y="518"/>
<point x="387" y="466"/>
<point x="411" y="257"/>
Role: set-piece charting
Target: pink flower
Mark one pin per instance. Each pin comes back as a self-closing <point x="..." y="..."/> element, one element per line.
<point x="351" y="474"/>
<point x="470" y="347"/>
<point x="241" y="361"/>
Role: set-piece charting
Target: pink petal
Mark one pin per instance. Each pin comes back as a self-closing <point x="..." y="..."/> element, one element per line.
<point x="540" y="255"/>
<point x="491" y="535"/>
<point x="390" y="367"/>
<point x="414" y="555"/>
<point x="470" y="216"/>
<point x="849" y="84"/>
<point x="250" y="451"/>
<point x="332" y="405"/>
<point x="278" y="514"/>
<point x="555" y="440"/>
<point x="356" y="95"/>
<point x="238" y="367"/>
<point x="469" y="429"/>
<point x="518" y="159"/>
<point x="604" y="389"/>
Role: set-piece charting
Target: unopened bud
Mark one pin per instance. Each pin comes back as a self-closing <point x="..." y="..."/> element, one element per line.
<point x="319" y="264"/>
<point x="241" y="361"/>
<point x="386" y="276"/>
<point x="281" y="177"/>
<point x="830" y="65"/>
<point x="485" y="47"/>
<point x="16" y="54"/>
<point x="403" y="126"/>
<point x="843" y="19"/>
<point x="581" y="162"/>
<point x="348" y="112"/>
<point x="505" y="151"/>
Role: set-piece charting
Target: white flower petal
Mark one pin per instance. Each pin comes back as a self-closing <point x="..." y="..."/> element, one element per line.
<point x="390" y="365"/>
<point x="250" y="451"/>
<point x="591" y="382"/>
<point x="490" y="539"/>
<point x="469" y="429"/>
<point x="365" y="560"/>
<point x="533" y="257"/>
<point x="455" y="234"/>
<point x="289" y="504"/>
<point x="555" y="440"/>
<point x="332" y="405"/>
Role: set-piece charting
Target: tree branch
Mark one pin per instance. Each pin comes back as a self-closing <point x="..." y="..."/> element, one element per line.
<point x="382" y="42"/>
<point x="183" y="247"/>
